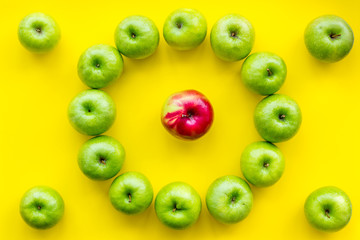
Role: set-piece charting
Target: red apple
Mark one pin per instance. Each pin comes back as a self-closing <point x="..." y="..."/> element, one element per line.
<point x="187" y="114"/>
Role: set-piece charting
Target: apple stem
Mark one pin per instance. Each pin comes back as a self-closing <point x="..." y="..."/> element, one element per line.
<point x="129" y="197"/>
<point x="282" y="116"/>
<point x="38" y="30"/>
<point x="174" y="209"/>
<point x="133" y="35"/>
<point x="39" y="207"/>
<point x="335" y="35"/>
<point x="179" y="25"/>
<point x="327" y="213"/>
<point x="269" y="72"/>
<point x="98" y="65"/>
<point x="266" y="165"/>
<point x="233" y="199"/>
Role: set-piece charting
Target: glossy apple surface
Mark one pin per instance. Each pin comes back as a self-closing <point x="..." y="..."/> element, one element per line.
<point x="262" y="164"/>
<point x="178" y="205"/>
<point x="185" y="29"/>
<point x="131" y="193"/>
<point x="277" y="118"/>
<point x="101" y="157"/>
<point x="41" y="207"/>
<point x="232" y="37"/>
<point x="263" y="72"/>
<point x="229" y="199"/>
<point x="99" y="65"/>
<point x="92" y="112"/>
<point x="187" y="114"/>
<point x="137" y="37"/>
<point x="329" y="38"/>
<point x="328" y="209"/>
<point x="38" y="32"/>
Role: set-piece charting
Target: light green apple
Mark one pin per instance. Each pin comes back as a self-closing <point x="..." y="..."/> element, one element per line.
<point x="131" y="193"/>
<point x="41" y="207"/>
<point x="185" y="29"/>
<point x="178" y="205"/>
<point x="329" y="38"/>
<point x="232" y="37"/>
<point x="38" y="32"/>
<point x="92" y="112"/>
<point x="100" y="65"/>
<point x="328" y="209"/>
<point x="263" y="72"/>
<point x="262" y="164"/>
<point x="101" y="157"/>
<point x="229" y="199"/>
<point x="137" y="37"/>
<point x="277" y="118"/>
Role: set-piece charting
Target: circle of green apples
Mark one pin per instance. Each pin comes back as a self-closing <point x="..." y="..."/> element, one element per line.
<point x="277" y="118"/>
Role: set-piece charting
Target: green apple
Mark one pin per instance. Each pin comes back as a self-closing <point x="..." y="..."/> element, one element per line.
<point x="232" y="37"/>
<point x="178" y="205"/>
<point x="131" y="193"/>
<point x="229" y="199"/>
<point x="41" y="207"/>
<point x="329" y="38"/>
<point x="100" y="65"/>
<point x="185" y="29"/>
<point x="277" y="118"/>
<point x="92" y="112"/>
<point x="101" y="157"/>
<point x="38" y="32"/>
<point x="263" y="72"/>
<point x="137" y="37"/>
<point x="262" y="164"/>
<point x="328" y="209"/>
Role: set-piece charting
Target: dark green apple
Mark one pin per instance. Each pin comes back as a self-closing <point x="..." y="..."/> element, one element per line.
<point x="131" y="193"/>
<point x="232" y="37"/>
<point x="277" y="118"/>
<point x="38" y="32"/>
<point x="229" y="199"/>
<point x="92" y="112"/>
<point x="329" y="38"/>
<point x="178" y="205"/>
<point x="137" y="37"/>
<point x="328" y="209"/>
<point x="41" y="207"/>
<point x="262" y="164"/>
<point x="101" y="157"/>
<point x="263" y="72"/>
<point x="100" y="65"/>
<point x="185" y="29"/>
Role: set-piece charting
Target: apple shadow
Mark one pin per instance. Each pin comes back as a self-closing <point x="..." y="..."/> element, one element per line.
<point x="308" y="229"/>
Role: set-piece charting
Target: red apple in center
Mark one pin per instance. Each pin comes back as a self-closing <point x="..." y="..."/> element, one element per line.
<point x="187" y="114"/>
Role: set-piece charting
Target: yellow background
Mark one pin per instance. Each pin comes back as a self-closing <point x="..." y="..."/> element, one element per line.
<point x="39" y="147"/>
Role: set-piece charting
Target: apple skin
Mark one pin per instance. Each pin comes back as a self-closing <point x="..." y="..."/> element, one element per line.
<point x="229" y="199"/>
<point x="187" y="114"/>
<point x="131" y="193"/>
<point x="38" y="32"/>
<point x="329" y="38"/>
<point x="100" y="65"/>
<point x="262" y="164"/>
<point x="137" y="37"/>
<point x="263" y="72"/>
<point x="101" y="157"/>
<point x="277" y="118"/>
<point x="185" y="29"/>
<point x="92" y="112"/>
<point x="178" y="205"/>
<point x="232" y="37"/>
<point x="328" y="209"/>
<point x="41" y="207"/>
